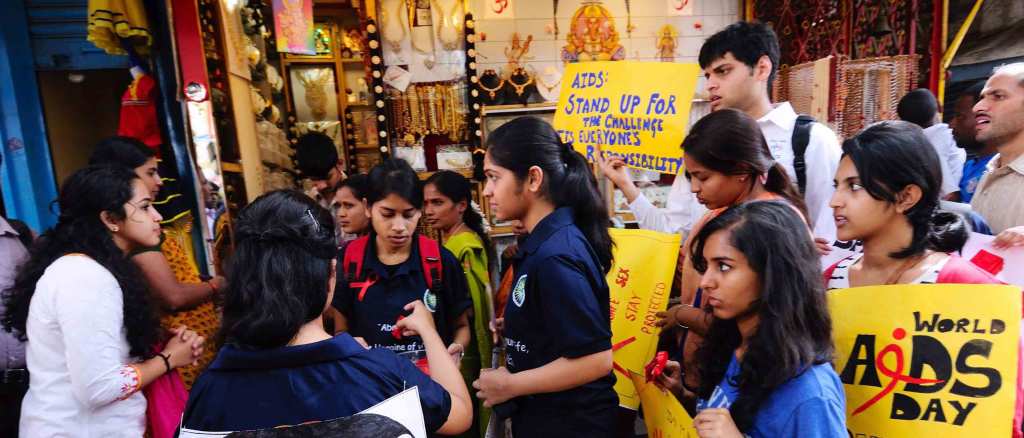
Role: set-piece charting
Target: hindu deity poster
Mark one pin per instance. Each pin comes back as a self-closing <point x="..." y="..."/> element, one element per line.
<point x="293" y="26"/>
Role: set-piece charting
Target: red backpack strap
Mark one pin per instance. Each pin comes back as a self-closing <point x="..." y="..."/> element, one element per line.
<point x="352" y="261"/>
<point x="430" y="260"/>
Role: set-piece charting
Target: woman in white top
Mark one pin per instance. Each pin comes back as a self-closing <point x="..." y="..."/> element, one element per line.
<point x="86" y="313"/>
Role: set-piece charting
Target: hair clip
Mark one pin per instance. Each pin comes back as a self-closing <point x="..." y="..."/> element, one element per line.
<point x="309" y="212"/>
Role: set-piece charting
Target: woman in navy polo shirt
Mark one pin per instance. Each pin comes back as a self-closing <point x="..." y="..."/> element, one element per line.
<point x="557" y="336"/>
<point x="371" y="297"/>
<point x="278" y="366"/>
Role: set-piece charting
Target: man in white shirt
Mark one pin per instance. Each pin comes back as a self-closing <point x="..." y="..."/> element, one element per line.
<point x="920" y="108"/>
<point x="740" y="63"/>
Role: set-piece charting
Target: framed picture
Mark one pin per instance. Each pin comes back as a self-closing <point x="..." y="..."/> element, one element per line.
<point x="314" y="92"/>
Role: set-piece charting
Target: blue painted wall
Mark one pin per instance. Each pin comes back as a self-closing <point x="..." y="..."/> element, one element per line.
<point x="26" y="177"/>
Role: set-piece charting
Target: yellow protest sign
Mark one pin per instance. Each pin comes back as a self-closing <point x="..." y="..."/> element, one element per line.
<point x="664" y="416"/>
<point x="928" y="360"/>
<point x="635" y="110"/>
<point x="638" y="283"/>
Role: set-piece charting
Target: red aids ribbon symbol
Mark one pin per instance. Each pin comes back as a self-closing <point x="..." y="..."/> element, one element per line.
<point x="364" y="286"/>
<point x="680" y="4"/>
<point x="896" y="374"/>
<point x="499" y="6"/>
<point x="615" y="348"/>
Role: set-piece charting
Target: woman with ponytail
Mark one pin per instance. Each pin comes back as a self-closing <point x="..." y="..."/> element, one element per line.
<point x="557" y="379"/>
<point x="887" y="196"/>
<point x="728" y="162"/>
<point x="447" y="204"/>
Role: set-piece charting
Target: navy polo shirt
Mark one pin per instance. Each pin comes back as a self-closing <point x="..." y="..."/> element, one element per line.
<point x="374" y="317"/>
<point x="326" y="380"/>
<point x="558" y="307"/>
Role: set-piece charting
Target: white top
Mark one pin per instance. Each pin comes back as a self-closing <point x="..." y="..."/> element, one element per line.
<point x="822" y="158"/>
<point x="840" y="278"/>
<point x="951" y="157"/>
<point x="81" y="381"/>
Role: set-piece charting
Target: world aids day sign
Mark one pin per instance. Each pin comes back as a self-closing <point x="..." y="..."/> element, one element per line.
<point x="635" y="110"/>
<point x="928" y="360"/>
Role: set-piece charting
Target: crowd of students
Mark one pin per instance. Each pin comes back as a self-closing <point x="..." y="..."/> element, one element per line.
<point x="334" y="302"/>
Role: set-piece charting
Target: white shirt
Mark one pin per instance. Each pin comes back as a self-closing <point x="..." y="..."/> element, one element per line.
<point x="822" y="158"/>
<point x="951" y="157"/>
<point x="81" y="381"/>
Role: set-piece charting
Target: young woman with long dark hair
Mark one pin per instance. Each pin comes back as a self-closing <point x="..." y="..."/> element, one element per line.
<point x="81" y="304"/>
<point x="447" y="204"/>
<point x="728" y="162"/>
<point x="394" y="265"/>
<point x="279" y="366"/>
<point x="764" y="364"/>
<point x="557" y="336"/>
<point x="887" y="196"/>
<point x="169" y="272"/>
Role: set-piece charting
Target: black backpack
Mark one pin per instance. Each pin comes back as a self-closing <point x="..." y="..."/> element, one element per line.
<point x="801" y="138"/>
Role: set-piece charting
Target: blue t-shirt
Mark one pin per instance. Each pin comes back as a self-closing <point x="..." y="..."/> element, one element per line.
<point x="373" y="317"/>
<point x="974" y="168"/>
<point x="326" y="380"/>
<point x="811" y="404"/>
<point x="558" y="307"/>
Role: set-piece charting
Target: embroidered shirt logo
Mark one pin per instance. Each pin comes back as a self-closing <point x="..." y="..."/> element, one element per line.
<point x="519" y="292"/>
<point x="430" y="300"/>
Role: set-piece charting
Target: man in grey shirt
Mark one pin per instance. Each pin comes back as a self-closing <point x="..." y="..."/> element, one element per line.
<point x="13" y="376"/>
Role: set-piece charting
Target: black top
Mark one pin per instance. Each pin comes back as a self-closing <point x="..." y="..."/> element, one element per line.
<point x="559" y="307"/>
<point x="374" y="317"/>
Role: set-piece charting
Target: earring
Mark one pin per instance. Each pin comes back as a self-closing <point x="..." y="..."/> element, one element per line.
<point x="114" y="228"/>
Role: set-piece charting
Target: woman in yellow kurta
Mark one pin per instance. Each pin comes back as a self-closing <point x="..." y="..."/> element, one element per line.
<point x="448" y="209"/>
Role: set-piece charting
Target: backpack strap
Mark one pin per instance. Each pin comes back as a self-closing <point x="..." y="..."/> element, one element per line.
<point x="801" y="138"/>
<point x="430" y="260"/>
<point x="352" y="264"/>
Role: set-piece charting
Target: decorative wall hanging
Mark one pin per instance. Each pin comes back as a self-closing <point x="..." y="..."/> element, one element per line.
<point x="592" y="35"/>
<point x="474" y="104"/>
<point x="666" y="44"/>
<point x="516" y="51"/>
<point x="377" y="85"/>
<point x="808" y="29"/>
<point x="322" y="38"/>
<point x="499" y="9"/>
<point x="293" y="26"/>
<point x="678" y="8"/>
<point x="314" y="94"/>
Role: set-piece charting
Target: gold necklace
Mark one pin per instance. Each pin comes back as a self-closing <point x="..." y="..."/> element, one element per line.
<point x="396" y="45"/>
<point x="520" y="88"/>
<point x="492" y="91"/>
<point x="447" y="20"/>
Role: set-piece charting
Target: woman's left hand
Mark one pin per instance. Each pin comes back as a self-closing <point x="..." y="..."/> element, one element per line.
<point x="494" y="386"/>
<point x="716" y="423"/>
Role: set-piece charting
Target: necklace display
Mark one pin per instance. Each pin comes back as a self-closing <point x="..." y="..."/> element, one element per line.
<point x="429" y="108"/>
<point x="388" y="24"/>
<point x="494" y="93"/>
<point x="448" y="31"/>
<point x="520" y="82"/>
<point x="548" y="90"/>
